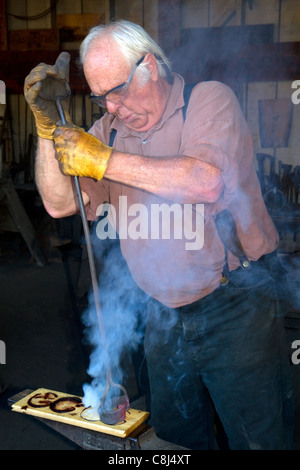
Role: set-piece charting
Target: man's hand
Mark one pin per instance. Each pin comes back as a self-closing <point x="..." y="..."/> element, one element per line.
<point x="42" y="77"/>
<point x="80" y="153"/>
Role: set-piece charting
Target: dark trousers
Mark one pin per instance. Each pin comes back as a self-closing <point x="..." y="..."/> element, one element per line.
<point x="225" y="353"/>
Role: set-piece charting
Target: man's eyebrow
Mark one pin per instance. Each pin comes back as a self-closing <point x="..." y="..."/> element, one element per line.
<point x="97" y="94"/>
<point x="110" y="89"/>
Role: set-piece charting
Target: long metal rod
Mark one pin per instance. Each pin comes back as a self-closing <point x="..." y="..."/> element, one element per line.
<point x="93" y="272"/>
<point x="91" y="258"/>
<point x="118" y="413"/>
<point x="110" y="416"/>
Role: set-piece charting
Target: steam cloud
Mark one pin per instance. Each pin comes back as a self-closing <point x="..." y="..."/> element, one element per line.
<point x="123" y="310"/>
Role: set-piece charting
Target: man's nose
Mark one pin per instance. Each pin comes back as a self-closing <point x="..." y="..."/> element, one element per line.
<point x="112" y="107"/>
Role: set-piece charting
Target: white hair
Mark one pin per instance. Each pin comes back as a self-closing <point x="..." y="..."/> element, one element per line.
<point x="133" y="41"/>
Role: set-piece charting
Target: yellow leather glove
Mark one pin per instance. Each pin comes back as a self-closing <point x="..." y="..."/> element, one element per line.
<point x="50" y="80"/>
<point x="80" y="153"/>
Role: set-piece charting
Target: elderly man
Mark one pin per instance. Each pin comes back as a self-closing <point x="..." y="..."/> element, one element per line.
<point x="214" y="338"/>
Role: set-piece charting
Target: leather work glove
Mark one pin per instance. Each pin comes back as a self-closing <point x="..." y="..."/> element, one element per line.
<point x="48" y="79"/>
<point x="80" y="153"/>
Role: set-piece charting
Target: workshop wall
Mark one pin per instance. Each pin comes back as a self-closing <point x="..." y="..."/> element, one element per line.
<point x="285" y="16"/>
<point x="73" y="18"/>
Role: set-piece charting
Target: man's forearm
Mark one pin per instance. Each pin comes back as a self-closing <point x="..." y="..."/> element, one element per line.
<point x="180" y="179"/>
<point x="56" y="189"/>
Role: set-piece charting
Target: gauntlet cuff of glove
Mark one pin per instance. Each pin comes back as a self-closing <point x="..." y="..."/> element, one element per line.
<point x="45" y="132"/>
<point x="99" y="168"/>
<point x="80" y="153"/>
<point x="45" y="126"/>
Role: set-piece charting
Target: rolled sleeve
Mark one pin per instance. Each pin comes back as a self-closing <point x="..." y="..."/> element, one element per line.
<point x="216" y="132"/>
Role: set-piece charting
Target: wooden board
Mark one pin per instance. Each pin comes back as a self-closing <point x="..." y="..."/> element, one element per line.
<point x="133" y="417"/>
<point x="75" y="27"/>
<point x="34" y="39"/>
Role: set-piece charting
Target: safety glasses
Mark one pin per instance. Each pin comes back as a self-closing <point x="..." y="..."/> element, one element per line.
<point x="117" y="94"/>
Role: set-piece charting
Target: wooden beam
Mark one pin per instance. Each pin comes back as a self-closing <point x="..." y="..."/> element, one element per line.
<point x="269" y="62"/>
<point x="16" y="65"/>
<point x="33" y="39"/>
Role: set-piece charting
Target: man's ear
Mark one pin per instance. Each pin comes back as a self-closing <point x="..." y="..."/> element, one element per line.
<point x="152" y="66"/>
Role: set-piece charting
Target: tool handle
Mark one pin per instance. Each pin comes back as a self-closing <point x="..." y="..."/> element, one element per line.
<point x="61" y="112"/>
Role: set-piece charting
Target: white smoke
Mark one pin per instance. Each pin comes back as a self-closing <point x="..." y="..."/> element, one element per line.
<point x="123" y="311"/>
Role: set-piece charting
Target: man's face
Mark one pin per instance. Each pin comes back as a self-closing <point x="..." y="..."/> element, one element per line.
<point x="141" y="107"/>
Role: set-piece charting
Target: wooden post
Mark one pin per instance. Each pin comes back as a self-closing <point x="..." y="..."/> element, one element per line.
<point x="169" y="25"/>
<point x="3" y="26"/>
<point x="22" y="221"/>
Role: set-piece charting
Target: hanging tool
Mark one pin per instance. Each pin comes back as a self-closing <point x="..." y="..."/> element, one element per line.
<point x="113" y="404"/>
